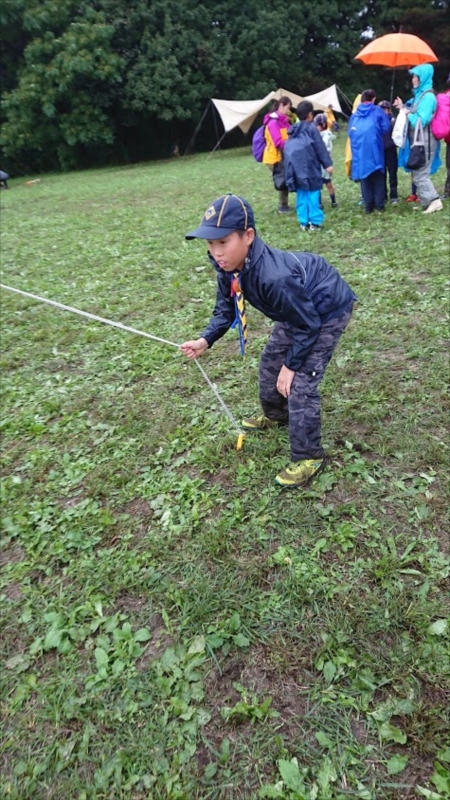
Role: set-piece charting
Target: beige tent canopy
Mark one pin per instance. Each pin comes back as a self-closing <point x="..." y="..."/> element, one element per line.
<point x="328" y="97"/>
<point x="296" y="99"/>
<point x="242" y="113"/>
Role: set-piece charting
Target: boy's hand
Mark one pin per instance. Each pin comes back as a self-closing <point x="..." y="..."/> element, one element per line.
<point x="329" y="170"/>
<point x="194" y="348"/>
<point x="284" y="381"/>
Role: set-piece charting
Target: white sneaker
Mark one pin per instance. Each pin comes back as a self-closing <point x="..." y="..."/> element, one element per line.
<point x="435" y="205"/>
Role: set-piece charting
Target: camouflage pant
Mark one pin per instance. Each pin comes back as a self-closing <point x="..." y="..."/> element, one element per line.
<point x="302" y="408"/>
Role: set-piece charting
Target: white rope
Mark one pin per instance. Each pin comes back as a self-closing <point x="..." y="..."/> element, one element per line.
<point x="130" y="330"/>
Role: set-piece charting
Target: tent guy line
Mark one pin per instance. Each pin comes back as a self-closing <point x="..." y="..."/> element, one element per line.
<point x="123" y="327"/>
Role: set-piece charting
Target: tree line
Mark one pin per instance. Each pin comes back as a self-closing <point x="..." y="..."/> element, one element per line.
<point x="88" y="82"/>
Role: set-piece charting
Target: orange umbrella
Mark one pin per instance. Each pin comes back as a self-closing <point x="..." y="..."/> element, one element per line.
<point x="397" y="50"/>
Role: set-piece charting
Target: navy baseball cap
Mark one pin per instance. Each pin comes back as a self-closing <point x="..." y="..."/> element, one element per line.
<point x="225" y="215"/>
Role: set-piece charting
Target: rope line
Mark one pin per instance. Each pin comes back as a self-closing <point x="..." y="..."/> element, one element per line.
<point x="127" y="328"/>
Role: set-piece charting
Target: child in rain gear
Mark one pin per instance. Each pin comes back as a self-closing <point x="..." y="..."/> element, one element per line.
<point x="304" y="156"/>
<point x="390" y="156"/>
<point x="276" y="125"/>
<point x="327" y="136"/>
<point x="311" y="305"/>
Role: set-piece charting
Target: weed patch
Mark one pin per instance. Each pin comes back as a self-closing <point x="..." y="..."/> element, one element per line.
<point x="174" y="624"/>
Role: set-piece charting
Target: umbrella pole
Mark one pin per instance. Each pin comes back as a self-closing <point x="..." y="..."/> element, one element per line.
<point x="392" y="87"/>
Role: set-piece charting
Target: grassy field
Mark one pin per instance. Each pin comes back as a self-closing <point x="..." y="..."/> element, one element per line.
<point x="174" y="624"/>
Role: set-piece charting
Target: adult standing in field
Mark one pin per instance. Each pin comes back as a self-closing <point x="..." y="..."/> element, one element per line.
<point x="420" y="110"/>
<point x="366" y="128"/>
<point x="276" y="126"/>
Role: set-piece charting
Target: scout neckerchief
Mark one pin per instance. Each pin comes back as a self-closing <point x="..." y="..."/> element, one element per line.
<point x="241" y="316"/>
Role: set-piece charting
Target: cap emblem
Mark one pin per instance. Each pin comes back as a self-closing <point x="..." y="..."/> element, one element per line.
<point x="210" y="212"/>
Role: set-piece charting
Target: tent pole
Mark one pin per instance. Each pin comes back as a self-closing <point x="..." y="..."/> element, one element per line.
<point x="345" y="98"/>
<point x="217" y="130"/>
<point x="197" y="129"/>
<point x="217" y="145"/>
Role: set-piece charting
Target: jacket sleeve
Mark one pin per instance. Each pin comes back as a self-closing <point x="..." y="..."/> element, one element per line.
<point x="425" y="110"/>
<point x="292" y="303"/>
<point x="223" y="315"/>
<point x="275" y="132"/>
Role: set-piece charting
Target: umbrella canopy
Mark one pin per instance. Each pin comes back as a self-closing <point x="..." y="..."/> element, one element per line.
<point x="397" y="50"/>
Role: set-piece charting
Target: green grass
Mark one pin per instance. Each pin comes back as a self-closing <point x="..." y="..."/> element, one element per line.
<point x="174" y="624"/>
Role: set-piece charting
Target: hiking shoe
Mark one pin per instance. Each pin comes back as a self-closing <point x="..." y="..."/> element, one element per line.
<point x="260" y="423"/>
<point x="304" y="227"/>
<point x="334" y="205"/>
<point x="411" y="199"/>
<point x="315" y="227"/>
<point x="285" y="209"/>
<point x="394" y="201"/>
<point x="299" y="473"/>
<point x="435" y="205"/>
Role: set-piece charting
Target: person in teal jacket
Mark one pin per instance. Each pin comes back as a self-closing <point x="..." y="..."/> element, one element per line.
<point x="422" y="106"/>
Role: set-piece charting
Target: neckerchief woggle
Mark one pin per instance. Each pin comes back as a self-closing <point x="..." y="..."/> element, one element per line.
<point x="241" y="317"/>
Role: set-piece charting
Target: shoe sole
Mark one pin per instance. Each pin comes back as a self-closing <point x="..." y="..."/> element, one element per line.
<point x="302" y="485"/>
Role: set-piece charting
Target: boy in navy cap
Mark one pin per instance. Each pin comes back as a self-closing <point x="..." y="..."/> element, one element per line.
<point x="311" y="306"/>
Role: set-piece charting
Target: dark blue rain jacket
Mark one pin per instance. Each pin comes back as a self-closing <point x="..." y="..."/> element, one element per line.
<point x="304" y="154"/>
<point x="366" y="129"/>
<point x="301" y="289"/>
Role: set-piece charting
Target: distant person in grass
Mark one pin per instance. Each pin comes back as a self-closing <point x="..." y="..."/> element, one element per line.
<point x="320" y="121"/>
<point x="422" y="107"/>
<point x="276" y="125"/>
<point x="390" y="157"/>
<point x="311" y="306"/>
<point x="305" y="155"/>
<point x="366" y="128"/>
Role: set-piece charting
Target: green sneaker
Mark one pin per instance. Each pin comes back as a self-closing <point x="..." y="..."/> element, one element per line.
<point x="260" y="423"/>
<point x="299" y="473"/>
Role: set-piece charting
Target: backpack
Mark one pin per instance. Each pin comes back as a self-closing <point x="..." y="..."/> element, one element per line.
<point x="259" y="143"/>
<point x="440" y="124"/>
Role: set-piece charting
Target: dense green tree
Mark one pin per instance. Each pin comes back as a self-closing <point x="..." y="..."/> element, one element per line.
<point x="65" y="87"/>
<point x="86" y="80"/>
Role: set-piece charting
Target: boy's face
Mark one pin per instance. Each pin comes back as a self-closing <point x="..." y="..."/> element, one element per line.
<point x="231" y="251"/>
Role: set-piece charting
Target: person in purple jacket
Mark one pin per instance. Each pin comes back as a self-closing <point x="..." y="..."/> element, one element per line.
<point x="276" y="126"/>
<point x="366" y="129"/>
